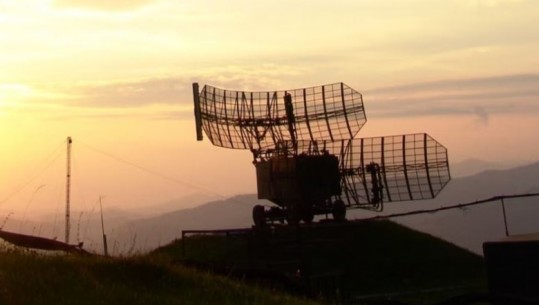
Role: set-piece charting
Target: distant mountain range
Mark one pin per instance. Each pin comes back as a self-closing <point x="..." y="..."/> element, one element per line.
<point x="467" y="228"/>
<point x="149" y="233"/>
<point x="472" y="167"/>
<point x="145" y="229"/>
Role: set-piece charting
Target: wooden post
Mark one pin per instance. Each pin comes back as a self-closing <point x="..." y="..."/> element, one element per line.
<point x="505" y="218"/>
<point x="105" y="247"/>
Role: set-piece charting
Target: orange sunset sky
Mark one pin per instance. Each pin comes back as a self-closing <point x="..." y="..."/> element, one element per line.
<point x="116" y="76"/>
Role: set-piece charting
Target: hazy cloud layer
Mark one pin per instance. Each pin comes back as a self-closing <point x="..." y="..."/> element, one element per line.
<point x="175" y="90"/>
<point x="105" y="5"/>
<point x="506" y="81"/>
<point x="137" y="115"/>
<point x="480" y="97"/>
<point x="158" y="91"/>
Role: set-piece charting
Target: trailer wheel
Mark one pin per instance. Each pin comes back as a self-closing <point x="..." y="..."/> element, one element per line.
<point x="293" y="216"/>
<point x="339" y="210"/>
<point x="307" y="215"/>
<point x="259" y="215"/>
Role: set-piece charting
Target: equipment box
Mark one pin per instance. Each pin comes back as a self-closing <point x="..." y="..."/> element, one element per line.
<point x="513" y="267"/>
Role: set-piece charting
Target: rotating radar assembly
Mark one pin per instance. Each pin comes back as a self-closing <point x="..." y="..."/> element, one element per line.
<point x="307" y="157"/>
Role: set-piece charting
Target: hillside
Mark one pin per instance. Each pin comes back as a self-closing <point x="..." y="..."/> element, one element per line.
<point x="32" y="279"/>
<point x="152" y="232"/>
<point x="379" y="259"/>
<point x="470" y="227"/>
<point x="86" y="224"/>
<point x="355" y="261"/>
<point x="474" y="166"/>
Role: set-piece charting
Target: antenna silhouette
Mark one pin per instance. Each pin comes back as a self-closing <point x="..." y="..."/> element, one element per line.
<point x="307" y="157"/>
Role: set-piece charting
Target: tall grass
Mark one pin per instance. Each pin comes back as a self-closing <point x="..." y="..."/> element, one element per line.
<point x="379" y="258"/>
<point x="32" y="278"/>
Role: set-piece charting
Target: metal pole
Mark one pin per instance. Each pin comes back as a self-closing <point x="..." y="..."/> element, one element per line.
<point x="198" y="114"/>
<point x="105" y="247"/>
<point x="505" y="218"/>
<point x="68" y="186"/>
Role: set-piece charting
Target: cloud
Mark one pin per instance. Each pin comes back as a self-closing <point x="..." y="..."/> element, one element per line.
<point x="481" y="114"/>
<point x="102" y="5"/>
<point x="505" y="81"/>
<point x="153" y="99"/>
<point x="174" y="90"/>
<point x="157" y="91"/>
<point x="480" y="97"/>
<point x="58" y="112"/>
<point x="171" y="97"/>
<point x="160" y="115"/>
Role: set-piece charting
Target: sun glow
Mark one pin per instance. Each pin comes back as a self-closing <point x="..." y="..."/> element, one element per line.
<point x="14" y="91"/>
<point x="118" y="74"/>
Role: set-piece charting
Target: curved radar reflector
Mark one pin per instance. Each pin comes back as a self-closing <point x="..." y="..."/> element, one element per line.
<point x="385" y="169"/>
<point x="393" y="168"/>
<point x="259" y="121"/>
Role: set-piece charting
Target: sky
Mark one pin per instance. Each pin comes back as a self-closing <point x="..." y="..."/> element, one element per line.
<point x="116" y="76"/>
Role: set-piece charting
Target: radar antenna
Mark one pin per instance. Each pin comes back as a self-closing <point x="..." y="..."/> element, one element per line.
<point x="307" y="157"/>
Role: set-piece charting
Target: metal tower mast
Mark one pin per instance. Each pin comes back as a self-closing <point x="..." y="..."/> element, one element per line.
<point x="68" y="186"/>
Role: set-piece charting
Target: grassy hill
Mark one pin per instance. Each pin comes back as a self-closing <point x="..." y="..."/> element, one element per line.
<point x="365" y="261"/>
<point x="377" y="259"/>
<point x="29" y="278"/>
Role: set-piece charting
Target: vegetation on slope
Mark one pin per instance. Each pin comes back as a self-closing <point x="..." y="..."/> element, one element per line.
<point x="30" y="278"/>
<point x="354" y="260"/>
<point x="357" y="261"/>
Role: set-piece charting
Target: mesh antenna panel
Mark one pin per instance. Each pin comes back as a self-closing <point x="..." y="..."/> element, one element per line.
<point x="307" y="158"/>
<point x="384" y="169"/>
<point x="260" y="120"/>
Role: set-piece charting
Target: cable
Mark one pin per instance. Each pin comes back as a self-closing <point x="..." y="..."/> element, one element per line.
<point x="35" y="176"/>
<point x="153" y="172"/>
<point x="450" y="207"/>
<point x="23" y="220"/>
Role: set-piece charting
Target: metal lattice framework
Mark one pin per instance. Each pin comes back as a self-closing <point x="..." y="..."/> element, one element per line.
<point x="280" y="126"/>
<point x="259" y="120"/>
<point x="407" y="167"/>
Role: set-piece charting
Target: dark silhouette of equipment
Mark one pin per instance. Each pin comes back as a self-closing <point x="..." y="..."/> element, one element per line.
<point x="512" y="269"/>
<point x="307" y="159"/>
